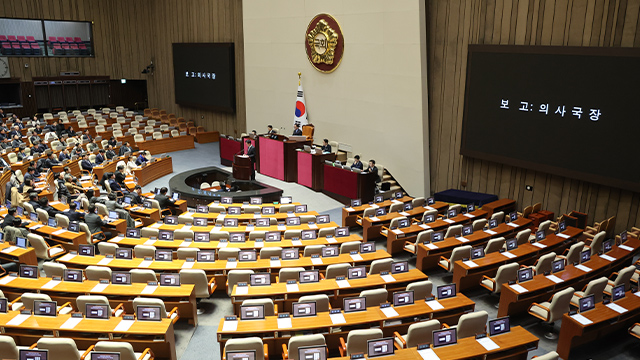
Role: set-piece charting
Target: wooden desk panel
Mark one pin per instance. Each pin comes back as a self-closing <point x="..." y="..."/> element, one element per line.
<point x="22" y="256"/>
<point x="153" y="171"/>
<point x="345" y="184"/>
<point x="506" y="205"/>
<point x="350" y="214"/>
<point x="207" y="137"/>
<point x="246" y="218"/>
<point x="166" y="145"/>
<point x="244" y="228"/>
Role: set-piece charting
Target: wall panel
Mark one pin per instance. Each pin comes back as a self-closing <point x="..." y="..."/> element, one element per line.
<point x="455" y="24"/>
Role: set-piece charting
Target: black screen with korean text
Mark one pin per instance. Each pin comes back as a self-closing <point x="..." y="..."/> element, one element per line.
<point x="204" y="75"/>
<point x="562" y="110"/>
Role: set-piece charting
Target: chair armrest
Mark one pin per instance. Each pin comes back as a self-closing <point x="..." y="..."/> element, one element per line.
<point x="84" y="355"/>
<point x="275" y="308"/>
<point x="399" y="337"/>
<point x="322" y="276"/>
<point x="164" y="212"/>
<point x="285" y="353"/>
<point x="145" y="352"/>
<point x="94" y="240"/>
<point x="33" y="346"/>
<point x="540" y="306"/>
<point x="266" y="352"/>
<point x="444" y="258"/>
<point x="445" y="326"/>
<point x="15" y="301"/>
<point x="343" y="347"/>
<point x="615" y="273"/>
<point x="54" y="247"/>
<point x="485" y="277"/>
<point x="120" y="306"/>
<point x="64" y="306"/>
<point x="213" y="280"/>
<point x="174" y="311"/>
<point x="398" y="347"/>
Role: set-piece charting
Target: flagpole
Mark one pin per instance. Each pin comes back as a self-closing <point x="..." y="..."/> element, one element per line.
<point x="299" y="76"/>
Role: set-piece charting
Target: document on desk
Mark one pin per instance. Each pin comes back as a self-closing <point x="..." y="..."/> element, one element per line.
<point x="508" y="254"/>
<point x="275" y="263"/>
<point x="607" y="257"/>
<point x="625" y="247"/>
<point x="394" y="201"/>
<point x="519" y="288"/>
<point x="564" y="236"/>
<point x="10" y="249"/>
<point x="583" y="268"/>
<point x="337" y="318"/>
<point x="513" y="224"/>
<point x="221" y="216"/>
<point x="431" y="246"/>
<point x="99" y="288"/>
<point x="185" y="244"/>
<point x="434" y="305"/>
<point x="332" y="240"/>
<point x="105" y="261"/>
<point x="462" y="239"/>
<point x="124" y="325"/>
<point x="149" y="289"/>
<point x="230" y="326"/>
<point x="242" y="290"/>
<point x="116" y="239"/>
<point x="581" y="319"/>
<point x="187" y="265"/>
<point x="488" y="344"/>
<point x="7" y="279"/>
<point x="554" y="278"/>
<point x="316" y="261"/>
<point x="617" y="308"/>
<point x="282" y="227"/>
<point x="469" y="215"/>
<point x="350" y="209"/>
<point x="155" y="225"/>
<point x="231" y="264"/>
<point x="345" y="284"/>
<point x="186" y="227"/>
<point x="296" y="242"/>
<point x="36" y="227"/>
<point x="490" y="232"/>
<point x="222" y="244"/>
<point x="149" y="242"/>
<point x="374" y="219"/>
<point x="257" y="215"/>
<point x="448" y="221"/>
<point x="470" y="263"/>
<point x="250" y="227"/>
<point x="18" y="319"/>
<point x="404" y="213"/>
<point x="428" y="354"/>
<point x="51" y="284"/>
<point x="145" y="263"/>
<point x="389" y="312"/>
<point x="59" y="232"/>
<point x="356" y="257"/>
<point x="284" y="323"/>
<point x="71" y="323"/>
<point x="388" y="278"/>
<point x="293" y="288"/>
<point x="374" y="206"/>
<point x="313" y="226"/>
<point x="397" y="231"/>
<point x="540" y="245"/>
<point x="425" y="226"/>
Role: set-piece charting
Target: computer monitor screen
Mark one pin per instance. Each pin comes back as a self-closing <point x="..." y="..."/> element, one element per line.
<point x="467" y="230"/>
<point x="356" y="202"/>
<point x="254" y="200"/>
<point x="251" y="312"/>
<point x="74" y="226"/>
<point x="102" y="355"/>
<point x="52" y="222"/>
<point x="444" y="337"/>
<point x="329" y="251"/>
<point x="408" y="206"/>
<point x="357" y="272"/>
<point x="293" y="220"/>
<point x="300" y="208"/>
<point x="587" y="303"/>
<point x="470" y="208"/>
<point x="617" y="292"/>
<point x="200" y="222"/>
<point x="170" y="220"/>
<point x="308" y="234"/>
<point x="268" y="210"/>
<point x="286" y="200"/>
<point x="22" y="242"/>
<point x="493" y="223"/>
<point x="247" y="255"/>
<point x="303" y="309"/>
<point x="525" y="274"/>
<point x="241" y="355"/>
<point x="380" y="347"/>
<point x="401" y="298"/>
<point x="342" y="231"/>
<point x="557" y="265"/>
<point x="513" y="216"/>
<point x="206" y="255"/>
<point x="263" y="222"/>
<point x="175" y="196"/>
<point x="378" y="198"/>
<point x="234" y="210"/>
<point x="28" y="271"/>
<point x="623" y="236"/>
<point x="585" y="255"/>
<point x="607" y="245"/>
<point x="354" y="304"/>
<point x="309" y="276"/>
<point x="367" y="247"/>
<point x="19" y="210"/>
<point x="399" y="267"/>
<point x="127" y="200"/>
<point x="164" y="255"/>
<point x="437" y="236"/>
<point x="499" y="326"/>
<point x="289" y="254"/>
<point x="124" y="253"/>
<point x="202" y="209"/>
<point x="86" y="250"/>
<point x="260" y="279"/>
<point x="232" y="222"/>
<point x="512" y="244"/>
<point x="133" y="233"/>
<point x="165" y="235"/>
<point x="381" y="211"/>
<point x="226" y="200"/>
<point x="45" y="308"/>
<point x="451" y="213"/>
<point x="27" y="354"/>
<point x="172" y="279"/>
<point x="33" y="216"/>
<point x="402" y="223"/>
<point x="323" y="219"/>
<point x="431" y="200"/>
<point x="397" y="194"/>
<point x="477" y="252"/>
<point x="3" y="305"/>
<point x="97" y="311"/>
<point x="312" y="352"/>
<point x="562" y="226"/>
<point x="72" y="275"/>
<point x="237" y="237"/>
<point x="201" y="236"/>
<point x="121" y="278"/>
<point x="148" y="313"/>
<point x="446" y="291"/>
<point x="273" y="236"/>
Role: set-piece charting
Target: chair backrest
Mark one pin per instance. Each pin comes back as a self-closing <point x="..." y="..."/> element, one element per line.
<point x="380" y="265"/>
<point x="349" y="246"/>
<point x="217" y="235"/>
<point x="248" y="343"/>
<point x="40" y="246"/>
<point x="459" y="253"/>
<point x="266" y="253"/>
<point x="396" y="208"/>
<point x="499" y="216"/>
<point x="287" y="208"/>
<point x="560" y="304"/>
<point x="290" y="234"/>
<point x="251" y="209"/>
<point x="198" y="278"/>
<point x="138" y="138"/>
<point x="43" y="216"/>
<point x="418" y="201"/>
<point x="8" y="347"/>
<point x="269" y="308"/>
<point x="494" y="245"/>
<point x="236" y="276"/>
<point x="596" y="287"/>
<point x="421" y="332"/>
<point x="624" y="277"/>
<point x="423" y="236"/>
<point x="479" y="224"/>
<point x="102" y="208"/>
<point x="85" y="229"/>
<point x="96" y="273"/>
<point x="146" y="301"/>
<point x="107" y="248"/>
<point x="453" y="230"/>
<point x="321" y="300"/>
<point x="141" y="251"/>
<point x="181" y="234"/>
<point x="396" y="221"/>
<point x="527" y="211"/>
<point x="506" y="273"/>
<point x="312" y="250"/>
<point x="335" y="270"/>
<point x="552" y="355"/>
<point x="421" y="289"/>
<point x="83" y="300"/>
<point x="544" y="263"/>
<point x="375" y="297"/>
<point x="59" y="348"/>
<point x="369" y="212"/>
<point x="227" y="253"/>
<point x="184" y="253"/>
<point x="327" y="231"/>
<point x="357" y="340"/>
<point x="52" y="268"/>
<point x="124" y="348"/>
<point x="63" y="220"/>
<point x="289" y="274"/>
<point x="472" y="323"/>
<point x="523" y="236"/>
<point x="143" y="275"/>
<point x="596" y="243"/>
<point x="574" y="252"/>
<point x="295" y="342"/>
<point x="28" y="298"/>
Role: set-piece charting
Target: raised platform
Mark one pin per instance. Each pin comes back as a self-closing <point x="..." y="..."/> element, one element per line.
<point x="188" y="185"/>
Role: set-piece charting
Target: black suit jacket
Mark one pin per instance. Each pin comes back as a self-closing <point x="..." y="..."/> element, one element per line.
<point x="86" y="165"/>
<point x="297" y="132"/>
<point x="99" y="159"/>
<point x="164" y="201"/>
<point x="74" y="216"/>
<point x="251" y="153"/>
<point x="123" y="149"/>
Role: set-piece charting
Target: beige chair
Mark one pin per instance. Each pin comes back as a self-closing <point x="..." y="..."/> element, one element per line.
<point x="173" y="315"/>
<point x="499" y="216"/>
<point x="544" y="263"/>
<point x="203" y="287"/>
<point x="494" y="245"/>
<point x="544" y="226"/>
<point x="228" y="253"/>
<point x="142" y="251"/>
<point x="257" y="234"/>
<point x="596" y="243"/>
<point x="181" y="234"/>
<point x="236" y="276"/>
<point x="573" y="254"/>
<point x="321" y="300"/>
<point x="368" y="212"/>
<point x="187" y="252"/>
<point x="52" y="268"/>
<point x="125" y="350"/>
<point x="287" y="208"/>
<point x="453" y="230"/>
<point x="312" y="250"/>
<point x="458" y="253"/>
<point x="83" y="300"/>
<point x="472" y="323"/>
<point x="375" y="297"/>
<point x="357" y="341"/>
<point x="218" y="235"/>
<point x="380" y="265"/>
<point x="63" y="220"/>
<point x="305" y="219"/>
<point x="43" y="250"/>
<point x="349" y="246"/>
<point x="418" y="201"/>
<point x="88" y="235"/>
<point x="552" y="355"/>
<point x="286" y="274"/>
<point x="523" y="236"/>
<point x="394" y="208"/>
<point x="43" y="216"/>
<point x="97" y="273"/>
<point x="107" y="248"/>
<point x="248" y="343"/>
<point x="594" y="287"/>
<point x="421" y="289"/>
<point x="27" y="299"/>
<point x="479" y="224"/>
<point x="552" y="310"/>
<point x="143" y="275"/>
<point x="418" y="333"/>
<point x="634" y="330"/>
<point x="328" y="231"/>
<point x="252" y="209"/>
<point x="506" y="273"/>
<point x="621" y="277"/>
<point x="335" y="270"/>
<point x="290" y="234"/>
<point x="61" y="348"/>
<point x="138" y="138"/>
<point x="216" y="209"/>
<point x="270" y="309"/>
<point x="420" y="239"/>
<point x="8" y="347"/>
<point x="267" y="253"/>
<point x="290" y="351"/>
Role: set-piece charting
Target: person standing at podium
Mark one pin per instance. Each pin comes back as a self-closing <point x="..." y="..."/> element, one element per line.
<point x="296" y="130"/>
<point x="270" y="130"/>
<point x="251" y="153"/>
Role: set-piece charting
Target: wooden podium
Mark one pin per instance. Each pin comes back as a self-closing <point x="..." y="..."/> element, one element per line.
<point x="242" y="167"/>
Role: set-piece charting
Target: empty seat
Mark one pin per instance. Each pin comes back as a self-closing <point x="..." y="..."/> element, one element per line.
<point x="457" y="254"/>
<point x="594" y="287"/>
<point x="143" y="275"/>
<point x="357" y="341"/>
<point x="494" y="245"/>
<point x="60" y="348"/>
<point x="145" y="301"/>
<point x="375" y="297"/>
<point x="125" y="350"/>
<point x="472" y="323"/>
<point x="552" y="310"/>
<point x="506" y="273"/>
<point x="335" y="270"/>
<point x="249" y="343"/>
<point x="418" y="333"/>
<point x="96" y="273"/>
<point x="289" y="274"/>
<point x="290" y="351"/>
<point x="269" y="307"/>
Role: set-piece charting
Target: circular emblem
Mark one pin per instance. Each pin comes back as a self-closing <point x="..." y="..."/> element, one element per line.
<point x="324" y="43"/>
<point x="299" y="109"/>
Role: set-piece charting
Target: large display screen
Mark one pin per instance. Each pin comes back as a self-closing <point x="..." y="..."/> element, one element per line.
<point x="204" y="75"/>
<point x="562" y="110"/>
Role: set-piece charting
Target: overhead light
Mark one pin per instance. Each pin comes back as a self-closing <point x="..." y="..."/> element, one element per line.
<point x="123" y="81"/>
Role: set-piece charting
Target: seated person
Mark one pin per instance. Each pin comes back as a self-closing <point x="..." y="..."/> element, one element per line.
<point x="110" y="153"/>
<point x="164" y="201"/>
<point x="33" y="201"/>
<point x="74" y="189"/>
<point x="357" y="164"/>
<point x="64" y="155"/>
<point x="373" y="169"/>
<point x="85" y="164"/>
<point x="296" y="130"/>
<point x="125" y="148"/>
<point x="114" y="185"/>
<point x="326" y="148"/>
<point x="73" y="214"/>
<point x="31" y="174"/>
<point x="51" y="161"/>
<point x="270" y="130"/>
<point x="112" y="205"/>
<point x="100" y="158"/>
<point x="136" y="195"/>
<point x="120" y="175"/>
<point x="141" y="159"/>
<point x="44" y="205"/>
<point x="95" y="223"/>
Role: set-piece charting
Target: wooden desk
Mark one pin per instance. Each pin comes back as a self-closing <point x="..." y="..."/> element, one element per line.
<point x="147" y="216"/>
<point x="183" y="297"/>
<point x="513" y="345"/>
<point x="157" y="335"/>
<point x="105" y="167"/>
<point x="166" y="145"/>
<point x="154" y="170"/>
<point x="246" y="218"/>
<point x="428" y="257"/>
<point x="397" y="238"/>
<point x="242" y="205"/>
<point x="345" y="184"/>
<point x="277" y="158"/>
<point x="284" y="296"/>
<point x="604" y="322"/>
<point x="68" y="239"/>
<point x="467" y="277"/>
<point x="19" y="255"/>
<point x="322" y="323"/>
<point x="350" y="214"/>
<point x="207" y="137"/>
<point x="506" y="205"/>
<point x="540" y="288"/>
<point x="311" y="168"/>
<point x="243" y="228"/>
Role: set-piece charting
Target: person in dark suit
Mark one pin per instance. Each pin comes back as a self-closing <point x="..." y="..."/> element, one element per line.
<point x="31" y="171"/>
<point x="251" y="153"/>
<point x="8" y="219"/>
<point x="38" y="147"/>
<point x="87" y="136"/>
<point x="110" y="154"/>
<point x="120" y="175"/>
<point x="125" y="148"/>
<point x="33" y="201"/>
<point x="136" y="195"/>
<point x="326" y="148"/>
<point x="270" y="130"/>
<point x="72" y="214"/>
<point x="373" y="169"/>
<point x="100" y="157"/>
<point x="44" y="205"/>
<point x="51" y="161"/>
<point x="64" y="155"/>
<point x="357" y="164"/>
<point x="3" y="163"/>
<point x="85" y="164"/>
<point x="296" y="130"/>
<point x="95" y="223"/>
<point x="141" y="159"/>
<point x="113" y="183"/>
<point x="164" y="201"/>
<point x="16" y="141"/>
